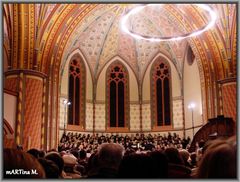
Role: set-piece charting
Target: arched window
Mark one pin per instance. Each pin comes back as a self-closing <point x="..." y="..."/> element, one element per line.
<point x="161" y="93"/>
<point x="76" y="92"/>
<point x="117" y="96"/>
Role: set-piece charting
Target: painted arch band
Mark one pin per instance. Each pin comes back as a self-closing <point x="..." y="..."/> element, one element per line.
<point x="137" y="9"/>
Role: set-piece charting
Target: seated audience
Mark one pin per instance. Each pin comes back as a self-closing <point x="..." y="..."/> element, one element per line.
<point x="137" y="156"/>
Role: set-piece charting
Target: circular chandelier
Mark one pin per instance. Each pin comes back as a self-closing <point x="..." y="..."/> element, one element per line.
<point x="136" y="35"/>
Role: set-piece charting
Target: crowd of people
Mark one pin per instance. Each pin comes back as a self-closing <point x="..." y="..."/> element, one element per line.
<point x="116" y="156"/>
<point x="90" y="143"/>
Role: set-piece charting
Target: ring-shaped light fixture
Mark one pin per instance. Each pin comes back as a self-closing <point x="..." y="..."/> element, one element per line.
<point x="137" y="9"/>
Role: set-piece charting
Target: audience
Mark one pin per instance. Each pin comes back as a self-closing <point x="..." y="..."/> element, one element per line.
<point x="117" y="156"/>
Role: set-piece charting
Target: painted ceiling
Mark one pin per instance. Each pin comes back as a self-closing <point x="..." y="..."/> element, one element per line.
<point x="101" y="38"/>
<point x="95" y="30"/>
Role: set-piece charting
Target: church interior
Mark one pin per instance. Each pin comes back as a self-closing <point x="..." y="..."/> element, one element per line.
<point x="121" y="73"/>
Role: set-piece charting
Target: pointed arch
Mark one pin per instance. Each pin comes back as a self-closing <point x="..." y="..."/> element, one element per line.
<point x="76" y="91"/>
<point x="161" y="94"/>
<point x="117" y="96"/>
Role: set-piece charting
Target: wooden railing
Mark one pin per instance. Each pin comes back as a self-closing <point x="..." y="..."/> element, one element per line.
<point x="214" y="128"/>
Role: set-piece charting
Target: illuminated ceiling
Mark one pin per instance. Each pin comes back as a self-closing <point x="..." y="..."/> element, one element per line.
<point x="94" y="29"/>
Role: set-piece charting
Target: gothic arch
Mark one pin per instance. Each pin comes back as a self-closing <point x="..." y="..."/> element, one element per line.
<point x="76" y="91"/>
<point x="161" y="93"/>
<point x="117" y="96"/>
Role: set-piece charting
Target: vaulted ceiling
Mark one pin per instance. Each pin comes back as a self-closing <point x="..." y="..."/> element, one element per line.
<point x="95" y="30"/>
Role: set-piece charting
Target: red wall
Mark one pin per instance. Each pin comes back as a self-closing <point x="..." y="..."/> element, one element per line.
<point x="229" y="100"/>
<point x="33" y="113"/>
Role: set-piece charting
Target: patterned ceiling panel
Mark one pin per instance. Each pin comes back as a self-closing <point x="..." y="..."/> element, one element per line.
<point x="127" y="50"/>
<point x="92" y="39"/>
<point x="109" y="46"/>
<point x="74" y="42"/>
<point x="159" y="20"/>
<point x="179" y="49"/>
<point x="100" y="38"/>
<point x="146" y="50"/>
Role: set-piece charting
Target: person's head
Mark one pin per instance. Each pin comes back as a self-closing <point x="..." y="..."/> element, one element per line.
<point x="173" y="156"/>
<point x="82" y="154"/>
<point x="75" y="153"/>
<point x="69" y="160"/>
<point x="34" y="152"/>
<point x="70" y="163"/>
<point x="92" y="162"/>
<point x="219" y="160"/>
<point x="19" y="164"/>
<point x="185" y="156"/>
<point x="51" y="169"/>
<point x="136" y="165"/>
<point x="160" y="164"/>
<point x="42" y="153"/>
<point x="57" y="159"/>
<point x="110" y="155"/>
